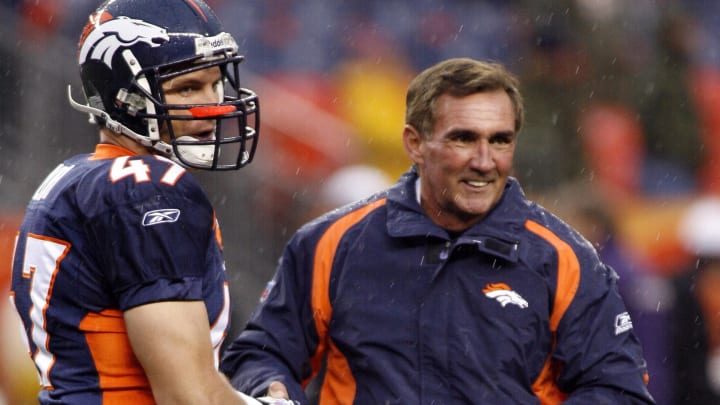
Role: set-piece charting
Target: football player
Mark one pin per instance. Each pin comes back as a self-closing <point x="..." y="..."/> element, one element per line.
<point x="118" y="271"/>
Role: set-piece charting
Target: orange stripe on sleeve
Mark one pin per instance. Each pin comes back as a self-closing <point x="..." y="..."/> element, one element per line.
<point x="122" y="378"/>
<point x="339" y="384"/>
<point x="218" y="234"/>
<point x="568" y="280"/>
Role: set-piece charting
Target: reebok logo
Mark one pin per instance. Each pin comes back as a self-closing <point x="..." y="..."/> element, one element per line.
<point x="504" y="295"/>
<point x="266" y="292"/>
<point x="160" y="216"/>
<point x="623" y="323"/>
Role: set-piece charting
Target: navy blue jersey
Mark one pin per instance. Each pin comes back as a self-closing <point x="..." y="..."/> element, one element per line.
<point x="106" y="232"/>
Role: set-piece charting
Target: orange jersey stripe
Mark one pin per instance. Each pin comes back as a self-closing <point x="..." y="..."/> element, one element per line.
<point x="568" y="280"/>
<point x="135" y="397"/>
<point x="339" y="384"/>
<point x="122" y="378"/>
<point x="216" y="228"/>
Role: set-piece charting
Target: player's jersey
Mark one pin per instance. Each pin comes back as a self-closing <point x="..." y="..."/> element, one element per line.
<point x="104" y="233"/>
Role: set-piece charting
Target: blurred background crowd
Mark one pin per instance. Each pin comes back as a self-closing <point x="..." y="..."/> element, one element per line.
<point x="622" y="139"/>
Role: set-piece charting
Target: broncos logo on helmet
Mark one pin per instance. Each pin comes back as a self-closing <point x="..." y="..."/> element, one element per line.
<point x="504" y="295"/>
<point x="102" y="42"/>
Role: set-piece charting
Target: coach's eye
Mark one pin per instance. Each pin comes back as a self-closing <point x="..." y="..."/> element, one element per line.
<point x="462" y="136"/>
<point x="502" y="139"/>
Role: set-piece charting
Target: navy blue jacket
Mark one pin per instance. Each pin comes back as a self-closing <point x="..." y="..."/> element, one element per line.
<point x="516" y="310"/>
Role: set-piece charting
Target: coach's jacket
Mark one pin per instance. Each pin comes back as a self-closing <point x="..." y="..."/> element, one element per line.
<point x="517" y="309"/>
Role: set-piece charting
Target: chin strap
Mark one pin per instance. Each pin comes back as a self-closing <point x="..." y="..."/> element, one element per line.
<point x="117" y="127"/>
<point x="113" y="125"/>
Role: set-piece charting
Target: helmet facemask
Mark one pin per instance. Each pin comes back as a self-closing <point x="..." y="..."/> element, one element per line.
<point x="233" y="140"/>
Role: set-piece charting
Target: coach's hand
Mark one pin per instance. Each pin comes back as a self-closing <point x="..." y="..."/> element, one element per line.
<point x="276" y="389"/>
<point x="277" y="395"/>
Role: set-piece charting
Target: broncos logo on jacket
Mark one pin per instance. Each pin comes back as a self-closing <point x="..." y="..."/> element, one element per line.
<point x="504" y="295"/>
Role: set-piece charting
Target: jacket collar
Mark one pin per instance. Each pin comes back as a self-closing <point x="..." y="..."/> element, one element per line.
<point x="497" y="232"/>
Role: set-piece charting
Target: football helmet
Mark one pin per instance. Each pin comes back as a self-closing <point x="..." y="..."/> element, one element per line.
<point x="130" y="47"/>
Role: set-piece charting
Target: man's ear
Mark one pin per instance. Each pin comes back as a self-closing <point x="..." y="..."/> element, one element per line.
<point x="412" y="141"/>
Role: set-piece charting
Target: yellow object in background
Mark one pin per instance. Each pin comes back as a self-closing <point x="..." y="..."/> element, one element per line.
<point x="372" y="99"/>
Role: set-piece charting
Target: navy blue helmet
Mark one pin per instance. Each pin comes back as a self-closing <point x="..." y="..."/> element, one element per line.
<point x="130" y="47"/>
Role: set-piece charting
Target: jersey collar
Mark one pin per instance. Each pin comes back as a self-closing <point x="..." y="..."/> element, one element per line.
<point x="110" y="151"/>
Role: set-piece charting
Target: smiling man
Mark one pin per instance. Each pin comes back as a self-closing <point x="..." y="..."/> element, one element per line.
<point x="450" y="287"/>
<point x="465" y="161"/>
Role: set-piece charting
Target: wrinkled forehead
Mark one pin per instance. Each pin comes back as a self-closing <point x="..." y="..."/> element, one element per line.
<point x="469" y="110"/>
